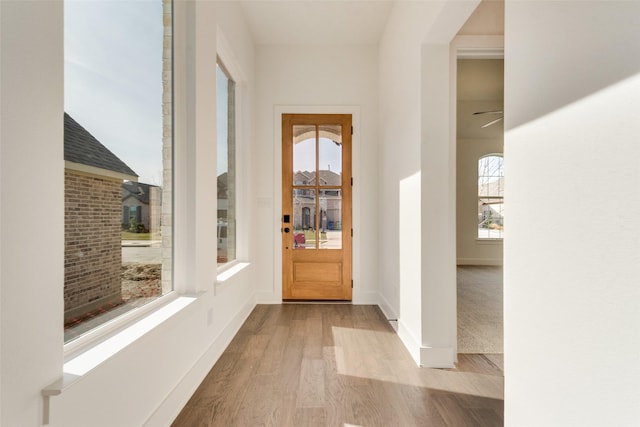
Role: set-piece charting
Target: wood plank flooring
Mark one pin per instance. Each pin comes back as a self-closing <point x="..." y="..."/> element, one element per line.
<point x="338" y="365"/>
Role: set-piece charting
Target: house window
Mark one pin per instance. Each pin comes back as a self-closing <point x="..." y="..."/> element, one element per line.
<point x="118" y="159"/>
<point x="490" y="197"/>
<point x="226" y="165"/>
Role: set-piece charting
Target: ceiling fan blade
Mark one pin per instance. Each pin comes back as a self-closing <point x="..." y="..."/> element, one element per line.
<point x="492" y="122"/>
<point x="488" y="112"/>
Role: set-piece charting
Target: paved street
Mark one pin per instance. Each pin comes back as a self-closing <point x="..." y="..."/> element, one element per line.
<point x="141" y="252"/>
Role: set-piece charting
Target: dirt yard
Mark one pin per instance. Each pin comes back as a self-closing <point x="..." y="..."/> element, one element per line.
<point x="141" y="281"/>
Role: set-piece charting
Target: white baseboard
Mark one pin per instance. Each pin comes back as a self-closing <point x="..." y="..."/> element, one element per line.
<point x="428" y="357"/>
<point x="386" y="307"/>
<point x="171" y="406"/>
<point x="268" y="298"/>
<point x="366" y="298"/>
<point x="388" y="312"/>
<point x="437" y="357"/>
<point x="479" y="261"/>
<point x="409" y="341"/>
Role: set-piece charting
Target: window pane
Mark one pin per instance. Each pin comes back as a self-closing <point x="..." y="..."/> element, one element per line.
<point x="490" y="197"/>
<point x="330" y="155"/>
<point x="331" y="219"/>
<point x="304" y="155"/>
<point x="226" y="235"/>
<point x="490" y="218"/>
<point x="304" y="219"/>
<point x="118" y="156"/>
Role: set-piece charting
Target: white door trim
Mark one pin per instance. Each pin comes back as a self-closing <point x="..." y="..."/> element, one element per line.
<point x="357" y="297"/>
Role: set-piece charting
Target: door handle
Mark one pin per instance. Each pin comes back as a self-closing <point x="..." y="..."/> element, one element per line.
<point x="286" y="229"/>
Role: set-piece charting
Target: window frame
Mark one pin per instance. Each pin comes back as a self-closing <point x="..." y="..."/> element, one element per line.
<point x="225" y="55"/>
<point x="120" y="323"/>
<point x="231" y="146"/>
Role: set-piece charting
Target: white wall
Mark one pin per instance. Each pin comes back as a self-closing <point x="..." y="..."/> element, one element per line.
<point x="32" y="177"/>
<point x="149" y="381"/>
<point x="415" y="127"/>
<point x="399" y="178"/>
<point x="316" y="79"/>
<point x="572" y="96"/>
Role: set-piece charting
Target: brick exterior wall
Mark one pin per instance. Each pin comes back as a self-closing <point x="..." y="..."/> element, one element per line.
<point x="93" y="254"/>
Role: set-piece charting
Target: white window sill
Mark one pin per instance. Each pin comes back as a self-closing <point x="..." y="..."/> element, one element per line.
<point x="82" y="363"/>
<point x="228" y="271"/>
<point x="100" y="333"/>
<point x="497" y="241"/>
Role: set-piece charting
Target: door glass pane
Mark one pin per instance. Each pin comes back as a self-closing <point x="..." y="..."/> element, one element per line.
<point x="304" y="154"/>
<point x="304" y="219"/>
<point x="330" y="218"/>
<point x="330" y="155"/>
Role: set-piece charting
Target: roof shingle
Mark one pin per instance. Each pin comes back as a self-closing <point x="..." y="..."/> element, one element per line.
<point x="82" y="147"/>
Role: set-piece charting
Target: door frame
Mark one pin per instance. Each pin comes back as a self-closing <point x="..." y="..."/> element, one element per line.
<point x="480" y="47"/>
<point x="276" y="220"/>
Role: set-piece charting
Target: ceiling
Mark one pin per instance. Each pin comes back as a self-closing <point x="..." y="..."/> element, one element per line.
<point x="480" y="79"/>
<point x="315" y="22"/>
<point x="480" y="87"/>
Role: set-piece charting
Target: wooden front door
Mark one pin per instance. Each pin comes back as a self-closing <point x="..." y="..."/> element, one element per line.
<point x="316" y="207"/>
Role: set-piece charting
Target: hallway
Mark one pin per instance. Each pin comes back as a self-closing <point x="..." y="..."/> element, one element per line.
<point x="335" y="365"/>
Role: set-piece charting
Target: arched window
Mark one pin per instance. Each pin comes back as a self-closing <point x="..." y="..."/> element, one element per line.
<point x="490" y="197"/>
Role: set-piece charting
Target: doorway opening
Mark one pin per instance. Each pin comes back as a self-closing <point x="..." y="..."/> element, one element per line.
<point x="479" y="204"/>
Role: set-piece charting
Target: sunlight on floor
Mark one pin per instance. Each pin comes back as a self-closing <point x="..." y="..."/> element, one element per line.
<point x="366" y="354"/>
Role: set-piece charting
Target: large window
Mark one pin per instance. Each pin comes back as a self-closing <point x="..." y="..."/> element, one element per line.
<point x="226" y="167"/>
<point x="490" y="197"/>
<point x="118" y="158"/>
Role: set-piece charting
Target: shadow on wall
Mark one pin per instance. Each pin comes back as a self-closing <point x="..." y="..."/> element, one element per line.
<point x="558" y="90"/>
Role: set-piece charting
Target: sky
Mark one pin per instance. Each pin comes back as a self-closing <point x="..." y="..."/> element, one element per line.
<point x="304" y="156"/>
<point x="113" y="78"/>
<point x="113" y="85"/>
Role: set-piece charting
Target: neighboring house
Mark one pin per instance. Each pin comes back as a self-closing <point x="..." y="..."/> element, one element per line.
<point x="223" y="195"/>
<point x="93" y="199"/>
<point x="304" y="207"/>
<point x="141" y="203"/>
<point x="223" y="215"/>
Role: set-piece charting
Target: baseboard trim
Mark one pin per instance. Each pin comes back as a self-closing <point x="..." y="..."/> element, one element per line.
<point x="366" y="298"/>
<point x="479" y="261"/>
<point x="386" y="307"/>
<point x="437" y="357"/>
<point x="409" y="341"/>
<point x="267" y="297"/>
<point x="170" y="407"/>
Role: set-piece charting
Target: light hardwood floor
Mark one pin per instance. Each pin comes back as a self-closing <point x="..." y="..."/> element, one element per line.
<point x="338" y="365"/>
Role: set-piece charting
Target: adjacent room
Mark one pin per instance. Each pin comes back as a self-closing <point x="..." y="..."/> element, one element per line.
<point x="480" y="204"/>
